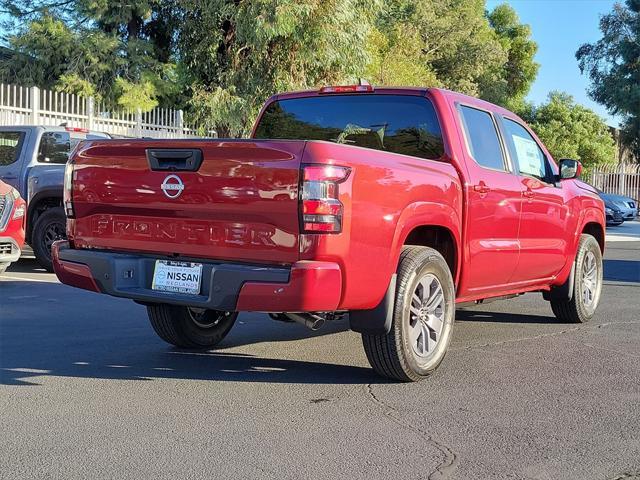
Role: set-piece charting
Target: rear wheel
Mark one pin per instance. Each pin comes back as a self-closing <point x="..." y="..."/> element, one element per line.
<point x="587" y="284"/>
<point x="422" y="321"/>
<point x="188" y="327"/>
<point x="50" y="226"/>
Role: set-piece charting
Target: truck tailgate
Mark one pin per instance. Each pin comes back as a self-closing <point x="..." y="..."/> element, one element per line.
<point x="240" y="203"/>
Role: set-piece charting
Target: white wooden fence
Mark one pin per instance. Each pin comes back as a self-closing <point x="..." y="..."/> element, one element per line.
<point x="33" y="106"/>
<point x="620" y="179"/>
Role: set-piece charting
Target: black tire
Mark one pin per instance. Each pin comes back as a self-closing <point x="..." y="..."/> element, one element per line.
<point x="578" y="310"/>
<point x="50" y="226"/>
<point x="190" y="328"/>
<point x="393" y="355"/>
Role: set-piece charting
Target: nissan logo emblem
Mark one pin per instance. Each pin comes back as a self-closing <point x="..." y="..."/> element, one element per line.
<point x="172" y="186"/>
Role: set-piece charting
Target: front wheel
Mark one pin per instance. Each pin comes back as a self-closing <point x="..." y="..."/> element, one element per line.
<point x="587" y="285"/>
<point x="188" y="327"/>
<point x="422" y="320"/>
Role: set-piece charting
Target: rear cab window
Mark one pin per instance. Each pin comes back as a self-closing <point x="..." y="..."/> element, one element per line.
<point x="10" y="146"/>
<point x="482" y="138"/>
<point x="56" y="146"/>
<point x="404" y="124"/>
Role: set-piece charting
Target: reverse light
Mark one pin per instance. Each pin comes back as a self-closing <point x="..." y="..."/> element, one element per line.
<point x="321" y="208"/>
<point x="67" y="193"/>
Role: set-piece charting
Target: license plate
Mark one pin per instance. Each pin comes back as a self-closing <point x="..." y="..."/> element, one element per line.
<point x="177" y="277"/>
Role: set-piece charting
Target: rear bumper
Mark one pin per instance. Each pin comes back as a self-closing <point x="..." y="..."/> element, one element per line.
<point x="9" y="250"/>
<point x="303" y="287"/>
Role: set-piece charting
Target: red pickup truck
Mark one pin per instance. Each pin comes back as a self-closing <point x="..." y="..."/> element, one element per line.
<point x="387" y="204"/>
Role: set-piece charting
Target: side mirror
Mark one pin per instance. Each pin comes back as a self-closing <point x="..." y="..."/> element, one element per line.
<point x="569" y="169"/>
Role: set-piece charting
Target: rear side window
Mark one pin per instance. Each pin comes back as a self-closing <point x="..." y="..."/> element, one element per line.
<point x="395" y="123"/>
<point x="10" y="146"/>
<point x="482" y="138"/>
<point x="524" y="149"/>
<point x="54" y="147"/>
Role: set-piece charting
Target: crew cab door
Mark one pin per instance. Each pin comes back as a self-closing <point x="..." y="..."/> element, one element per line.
<point x="494" y="200"/>
<point x="543" y="224"/>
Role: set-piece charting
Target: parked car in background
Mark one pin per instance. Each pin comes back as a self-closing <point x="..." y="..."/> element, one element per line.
<point x="389" y="204"/>
<point x="32" y="160"/>
<point x="613" y="214"/>
<point x="627" y="206"/>
<point x="12" y="220"/>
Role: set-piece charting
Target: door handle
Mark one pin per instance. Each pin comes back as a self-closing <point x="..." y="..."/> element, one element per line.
<point x="482" y="188"/>
<point x="174" y="159"/>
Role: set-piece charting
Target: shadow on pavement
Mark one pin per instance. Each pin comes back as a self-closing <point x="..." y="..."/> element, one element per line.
<point x="185" y="365"/>
<point x="622" y="270"/>
<point x="26" y="265"/>
<point x="499" y="317"/>
<point x="48" y="329"/>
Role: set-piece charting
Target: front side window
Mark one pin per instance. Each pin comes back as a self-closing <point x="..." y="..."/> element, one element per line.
<point x="10" y="145"/>
<point x="55" y="147"/>
<point x="525" y="151"/>
<point x="482" y="138"/>
<point x="404" y="124"/>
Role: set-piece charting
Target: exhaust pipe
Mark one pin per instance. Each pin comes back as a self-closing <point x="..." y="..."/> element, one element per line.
<point x="309" y="320"/>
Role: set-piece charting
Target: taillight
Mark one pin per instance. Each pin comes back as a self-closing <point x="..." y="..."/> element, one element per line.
<point x="67" y="194"/>
<point x="321" y="207"/>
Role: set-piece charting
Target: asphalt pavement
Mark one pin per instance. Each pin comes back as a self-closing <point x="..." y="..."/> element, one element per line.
<point x="87" y="391"/>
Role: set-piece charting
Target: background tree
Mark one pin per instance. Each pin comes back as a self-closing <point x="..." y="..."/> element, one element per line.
<point x="456" y="45"/>
<point x="511" y="83"/>
<point x="570" y="130"/>
<point x="239" y="53"/>
<point x="613" y="66"/>
<point x="119" y="50"/>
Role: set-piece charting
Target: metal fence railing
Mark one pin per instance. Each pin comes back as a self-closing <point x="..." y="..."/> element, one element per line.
<point x="620" y="179"/>
<point x="34" y="106"/>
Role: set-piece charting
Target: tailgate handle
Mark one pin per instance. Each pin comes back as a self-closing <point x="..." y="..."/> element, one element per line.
<point x="174" y="159"/>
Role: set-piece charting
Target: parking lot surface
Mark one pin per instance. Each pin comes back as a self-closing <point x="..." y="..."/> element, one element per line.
<point x="88" y="391"/>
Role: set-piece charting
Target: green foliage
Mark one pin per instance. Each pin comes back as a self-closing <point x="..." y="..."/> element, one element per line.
<point x="120" y="51"/>
<point x="613" y="66"/>
<point x="72" y="83"/>
<point x="440" y="43"/>
<point x="239" y="53"/>
<point x="570" y="130"/>
<point x="219" y="109"/>
<point x="453" y="44"/>
<point x="511" y="83"/>
<point x="140" y="95"/>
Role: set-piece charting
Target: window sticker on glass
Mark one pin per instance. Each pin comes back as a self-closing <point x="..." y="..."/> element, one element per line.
<point x="529" y="159"/>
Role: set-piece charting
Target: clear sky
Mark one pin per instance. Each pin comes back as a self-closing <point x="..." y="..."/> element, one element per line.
<point x="560" y="27"/>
